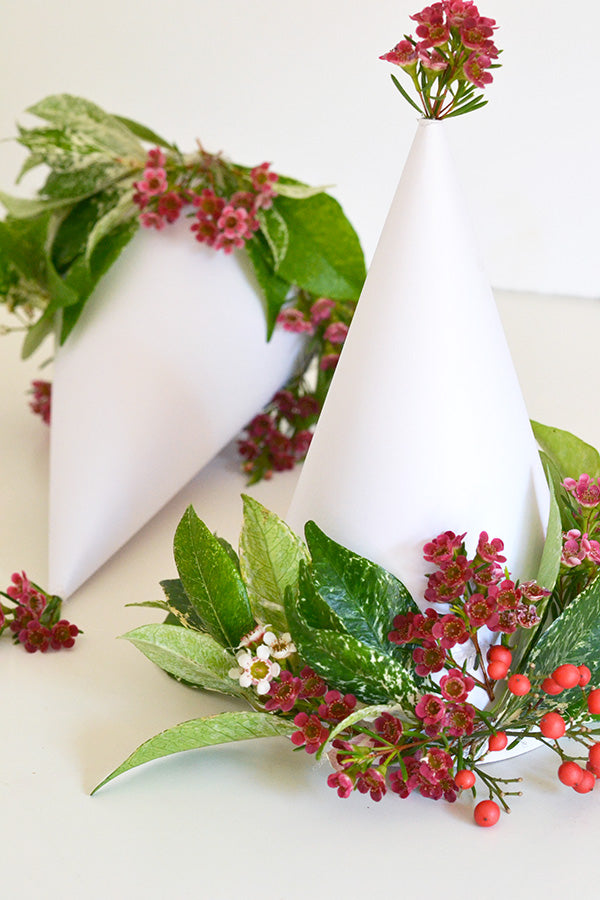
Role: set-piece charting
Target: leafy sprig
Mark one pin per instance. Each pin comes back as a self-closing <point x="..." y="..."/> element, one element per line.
<point x="316" y="638"/>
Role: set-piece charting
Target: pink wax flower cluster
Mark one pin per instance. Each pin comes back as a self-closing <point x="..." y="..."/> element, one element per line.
<point x="581" y="542"/>
<point x="226" y="198"/>
<point x="279" y="437"/>
<point x="41" y="399"/>
<point x="451" y="56"/>
<point x="34" y="617"/>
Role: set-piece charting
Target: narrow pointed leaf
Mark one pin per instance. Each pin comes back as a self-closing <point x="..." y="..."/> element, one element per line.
<point x="192" y="656"/>
<point x="362" y="594"/>
<point x="211" y="581"/>
<point x="406" y="95"/>
<point x="270" y="554"/>
<point x="206" y="732"/>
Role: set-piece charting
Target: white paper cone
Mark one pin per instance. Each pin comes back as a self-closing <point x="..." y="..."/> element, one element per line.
<point x="168" y="362"/>
<point x="424" y="429"/>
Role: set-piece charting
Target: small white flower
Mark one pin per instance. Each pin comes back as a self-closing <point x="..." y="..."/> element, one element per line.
<point x="258" y="670"/>
<point x="280" y="647"/>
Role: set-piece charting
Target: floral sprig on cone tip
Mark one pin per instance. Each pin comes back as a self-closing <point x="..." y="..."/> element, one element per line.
<point x="451" y="56"/>
<point x="34" y="617"/>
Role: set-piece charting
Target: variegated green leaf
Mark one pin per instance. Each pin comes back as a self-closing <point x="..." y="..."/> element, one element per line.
<point x="211" y="581"/>
<point x="207" y="732"/>
<point x="192" y="656"/>
<point x="275" y="232"/>
<point x="270" y="554"/>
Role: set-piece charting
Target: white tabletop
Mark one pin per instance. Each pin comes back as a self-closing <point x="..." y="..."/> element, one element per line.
<point x="254" y="819"/>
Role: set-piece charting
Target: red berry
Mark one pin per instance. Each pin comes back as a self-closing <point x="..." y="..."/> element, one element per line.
<point x="585" y="676"/>
<point x="500" y="653"/>
<point x="593" y="702"/>
<point x="497" y="670"/>
<point x="594" y="759"/>
<point x="552" y="725"/>
<point x="498" y="741"/>
<point x="570" y="773"/>
<point x="549" y="686"/>
<point x="486" y="813"/>
<point x="519" y="685"/>
<point x="566" y="675"/>
<point x="465" y="779"/>
<point x="586" y="784"/>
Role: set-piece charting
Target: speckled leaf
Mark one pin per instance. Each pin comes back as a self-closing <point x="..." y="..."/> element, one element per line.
<point x="275" y="232"/>
<point x="343" y="661"/>
<point x="570" y="454"/>
<point x="193" y="656"/>
<point x="100" y="128"/>
<point x="364" y="595"/>
<point x="180" y="605"/>
<point x="207" y="732"/>
<point x="270" y="554"/>
<point x="211" y="581"/>
<point x="574" y="637"/>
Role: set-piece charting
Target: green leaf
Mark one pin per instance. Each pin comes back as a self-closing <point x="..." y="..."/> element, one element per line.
<point x="180" y="604"/>
<point x="572" y="456"/>
<point x="275" y="232"/>
<point x="324" y="254"/>
<point x="270" y="554"/>
<point x="574" y="637"/>
<point x="362" y="594"/>
<point x="144" y="133"/>
<point x="365" y="712"/>
<point x="274" y="289"/>
<point x="24" y="208"/>
<point x="406" y="95"/>
<point x="341" y="659"/>
<point x="206" y="732"/>
<point x="551" y="554"/>
<point x="82" y="182"/>
<point x="295" y="190"/>
<point x="193" y="656"/>
<point x="211" y="581"/>
<point x="99" y="128"/>
<point x="122" y="212"/>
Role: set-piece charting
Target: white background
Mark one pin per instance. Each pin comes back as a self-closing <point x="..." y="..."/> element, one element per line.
<point x="300" y="84"/>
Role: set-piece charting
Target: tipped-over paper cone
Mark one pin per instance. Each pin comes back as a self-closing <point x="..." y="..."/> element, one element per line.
<point x="168" y="362"/>
<point x="424" y="429"/>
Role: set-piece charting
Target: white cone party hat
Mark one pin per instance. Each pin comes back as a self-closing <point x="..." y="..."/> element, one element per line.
<point x="167" y="363"/>
<point x="424" y="429"/>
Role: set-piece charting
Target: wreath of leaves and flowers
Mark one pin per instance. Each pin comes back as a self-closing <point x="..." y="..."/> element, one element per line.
<point x="330" y="650"/>
<point x="104" y="183"/>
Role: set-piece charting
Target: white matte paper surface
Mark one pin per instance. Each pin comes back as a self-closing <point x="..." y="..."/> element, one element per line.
<point x="425" y="429"/>
<point x="167" y="363"/>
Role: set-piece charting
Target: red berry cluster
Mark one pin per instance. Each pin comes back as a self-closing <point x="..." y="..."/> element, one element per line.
<point x="34" y="617"/>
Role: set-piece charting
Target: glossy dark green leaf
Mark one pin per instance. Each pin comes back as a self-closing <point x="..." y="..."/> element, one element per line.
<point x="211" y="581"/>
<point x="574" y="637"/>
<point x="207" y="732"/>
<point x="342" y="660"/>
<point x="362" y="594"/>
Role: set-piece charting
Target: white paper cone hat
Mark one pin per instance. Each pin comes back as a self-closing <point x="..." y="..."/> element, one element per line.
<point x="424" y="429"/>
<point x="167" y="363"/>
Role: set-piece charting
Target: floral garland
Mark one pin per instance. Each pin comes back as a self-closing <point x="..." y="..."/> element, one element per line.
<point x="103" y="185"/>
<point x="331" y="651"/>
